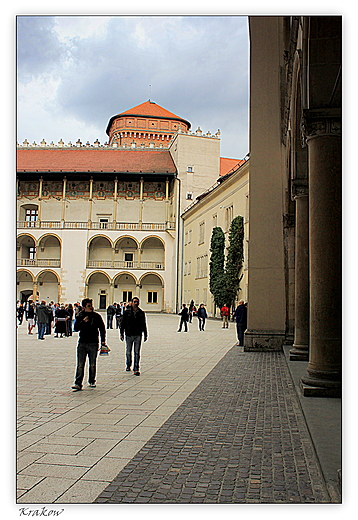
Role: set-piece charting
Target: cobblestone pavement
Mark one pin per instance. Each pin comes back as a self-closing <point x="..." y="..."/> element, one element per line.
<point x="71" y="445"/>
<point x="239" y="437"/>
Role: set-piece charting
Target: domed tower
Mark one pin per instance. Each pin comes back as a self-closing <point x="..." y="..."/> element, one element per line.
<point x="145" y="125"/>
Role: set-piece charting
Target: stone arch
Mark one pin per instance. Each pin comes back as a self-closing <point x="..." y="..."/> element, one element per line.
<point x="152" y="252"/>
<point x="48" y="250"/>
<point x="98" y="289"/>
<point x="48" y="285"/>
<point x="24" y="284"/>
<point x="125" y="286"/>
<point x="25" y="250"/>
<point x="152" y="292"/>
<point x="126" y="249"/>
<point x="100" y="252"/>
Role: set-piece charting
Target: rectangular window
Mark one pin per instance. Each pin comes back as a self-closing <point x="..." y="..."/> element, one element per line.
<point x="229" y="215"/>
<point x="103" y="223"/>
<point x="31" y="217"/>
<point x="32" y="253"/>
<point x="128" y="258"/>
<point x="127" y="296"/>
<point x="190" y="169"/>
<point x="189" y="195"/>
<point x="152" y="297"/>
<point x="201" y="232"/>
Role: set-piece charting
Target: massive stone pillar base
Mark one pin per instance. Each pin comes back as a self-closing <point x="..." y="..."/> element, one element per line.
<point x="264" y="341"/>
<point x="311" y="387"/>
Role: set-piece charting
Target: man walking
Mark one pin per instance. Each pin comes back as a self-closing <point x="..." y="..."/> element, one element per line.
<point x="241" y="321"/>
<point x="43" y="314"/>
<point x="184" y="318"/>
<point x="89" y="324"/>
<point x="225" y="313"/>
<point x="134" y="325"/>
<point x="111" y="311"/>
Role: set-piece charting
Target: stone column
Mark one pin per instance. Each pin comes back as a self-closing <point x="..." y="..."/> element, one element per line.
<point x="299" y="352"/>
<point x="323" y="128"/>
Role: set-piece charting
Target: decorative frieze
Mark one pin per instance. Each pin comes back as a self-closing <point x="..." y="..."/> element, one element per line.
<point x="321" y="122"/>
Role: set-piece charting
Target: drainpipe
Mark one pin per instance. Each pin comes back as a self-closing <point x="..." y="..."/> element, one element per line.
<point x="178" y="249"/>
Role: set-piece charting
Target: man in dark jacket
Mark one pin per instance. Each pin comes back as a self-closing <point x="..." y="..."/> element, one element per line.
<point x="241" y="321"/>
<point x="43" y="314"/>
<point x="184" y="318"/>
<point x="134" y="325"/>
<point x="111" y="311"/>
<point x="89" y="324"/>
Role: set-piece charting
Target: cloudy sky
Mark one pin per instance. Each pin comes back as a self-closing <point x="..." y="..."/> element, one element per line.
<point x="75" y="72"/>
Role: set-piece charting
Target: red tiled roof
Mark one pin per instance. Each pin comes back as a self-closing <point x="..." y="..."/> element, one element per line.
<point x="85" y="160"/>
<point x="227" y="165"/>
<point x="148" y="109"/>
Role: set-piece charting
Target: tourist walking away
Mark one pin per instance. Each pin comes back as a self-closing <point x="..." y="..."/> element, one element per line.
<point x="61" y="316"/>
<point x="119" y="309"/>
<point x="30" y="316"/>
<point x="225" y="313"/>
<point x="43" y="313"/>
<point x="192" y="310"/>
<point x="69" y="322"/>
<point x="184" y="318"/>
<point x="111" y="311"/>
<point x="134" y="326"/>
<point x="90" y="326"/>
<point x="202" y="315"/>
<point x="240" y="316"/>
<point x="20" y="313"/>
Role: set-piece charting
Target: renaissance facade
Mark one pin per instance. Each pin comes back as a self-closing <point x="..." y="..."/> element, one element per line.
<point x="103" y="221"/>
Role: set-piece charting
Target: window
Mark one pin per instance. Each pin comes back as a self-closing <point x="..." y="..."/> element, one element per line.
<point x="127" y="296"/>
<point x="128" y="258"/>
<point x="202" y="266"/>
<point x="201" y="232"/>
<point x="32" y="253"/>
<point x="189" y="195"/>
<point x="103" y="223"/>
<point x="152" y="297"/>
<point x="31" y="217"/>
<point x="229" y="215"/>
<point x="190" y="169"/>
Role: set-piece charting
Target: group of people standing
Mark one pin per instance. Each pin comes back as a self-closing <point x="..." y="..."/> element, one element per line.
<point x="186" y="315"/>
<point x="115" y="312"/>
<point x="239" y="315"/>
<point x="47" y="316"/>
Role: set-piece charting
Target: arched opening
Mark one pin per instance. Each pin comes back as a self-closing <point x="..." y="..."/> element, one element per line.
<point x="124" y="287"/>
<point x="99" y="253"/>
<point x="25" y="251"/>
<point x="28" y="215"/>
<point x="98" y="290"/>
<point x="152" y="292"/>
<point x="152" y="254"/>
<point x="49" y="251"/>
<point x="126" y="253"/>
<point x="24" y="285"/>
<point x="48" y="286"/>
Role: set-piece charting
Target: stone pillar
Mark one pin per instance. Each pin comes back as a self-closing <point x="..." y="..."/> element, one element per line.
<point x="299" y="352"/>
<point x="323" y="128"/>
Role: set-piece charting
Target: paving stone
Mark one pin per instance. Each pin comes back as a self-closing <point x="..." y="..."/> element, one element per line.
<point x="240" y="437"/>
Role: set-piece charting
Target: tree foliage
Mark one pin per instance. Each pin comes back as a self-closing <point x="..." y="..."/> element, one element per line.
<point x="234" y="259"/>
<point x="217" y="264"/>
<point x="225" y="277"/>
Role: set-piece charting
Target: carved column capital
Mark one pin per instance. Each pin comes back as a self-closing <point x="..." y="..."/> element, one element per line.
<point x="321" y="122"/>
<point x="299" y="188"/>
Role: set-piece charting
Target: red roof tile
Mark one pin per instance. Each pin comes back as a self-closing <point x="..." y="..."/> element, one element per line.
<point x="84" y="160"/>
<point x="227" y="165"/>
<point x="149" y="109"/>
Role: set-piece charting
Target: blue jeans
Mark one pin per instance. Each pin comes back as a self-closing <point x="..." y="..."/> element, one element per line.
<point x="240" y="328"/>
<point x="41" y="328"/>
<point x="84" y="350"/>
<point x="133" y="342"/>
